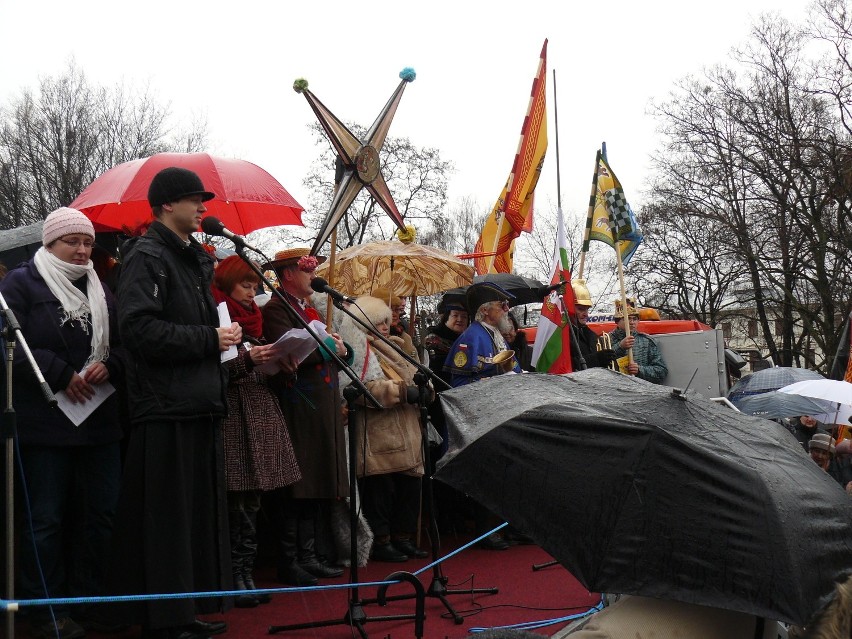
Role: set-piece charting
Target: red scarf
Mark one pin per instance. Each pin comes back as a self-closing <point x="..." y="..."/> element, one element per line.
<point x="249" y="317"/>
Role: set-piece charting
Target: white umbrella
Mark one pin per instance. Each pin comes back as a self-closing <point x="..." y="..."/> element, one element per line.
<point x="831" y="390"/>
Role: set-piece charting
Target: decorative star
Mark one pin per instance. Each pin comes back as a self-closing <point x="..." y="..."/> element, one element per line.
<point x="361" y="163"/>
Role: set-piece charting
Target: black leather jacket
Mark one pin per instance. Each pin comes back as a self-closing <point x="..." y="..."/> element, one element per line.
<point x="168" y="319"/>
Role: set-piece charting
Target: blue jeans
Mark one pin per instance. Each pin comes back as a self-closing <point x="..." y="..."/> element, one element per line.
<point x="72" y="493"/>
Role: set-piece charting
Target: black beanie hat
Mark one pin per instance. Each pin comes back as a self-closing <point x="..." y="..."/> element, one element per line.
<point x="174" y="183"/>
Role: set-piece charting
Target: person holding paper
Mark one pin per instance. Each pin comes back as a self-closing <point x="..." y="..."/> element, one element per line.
<point x="311" y="405"/>
<point x="67" y="318"/>
<point x="171" y="531"/>
<point x="258" y="452"/>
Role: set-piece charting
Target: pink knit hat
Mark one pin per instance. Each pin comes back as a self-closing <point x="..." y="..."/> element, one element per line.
<point x="64" y="221"/>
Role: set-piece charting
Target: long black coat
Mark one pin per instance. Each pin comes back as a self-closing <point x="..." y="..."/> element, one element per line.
<point x="171" y="529"/>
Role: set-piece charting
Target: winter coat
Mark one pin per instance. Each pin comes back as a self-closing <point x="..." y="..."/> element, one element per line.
<point x="168" y="321"/>
<point x="59" y="352"/>
<point x="646" y="353"/>
<point x="258" y="451"/>
<point x="311" y="406"/>
<point x="393" y="435"/>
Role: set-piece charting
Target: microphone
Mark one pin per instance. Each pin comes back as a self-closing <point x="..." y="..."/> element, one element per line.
<point x="213" y="226"/>
<point x="321" y="286"/>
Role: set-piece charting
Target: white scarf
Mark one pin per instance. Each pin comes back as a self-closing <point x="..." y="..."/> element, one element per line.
<point x="89" y="310"/>
<point x="496" y="337"/>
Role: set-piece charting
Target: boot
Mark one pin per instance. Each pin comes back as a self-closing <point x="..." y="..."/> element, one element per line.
<point x="307" y="556"/>
<point x="250" y="543"/>
<point x="383" y="550"/>
<point x="238" y="551"/>
<point x="290" y="573"/>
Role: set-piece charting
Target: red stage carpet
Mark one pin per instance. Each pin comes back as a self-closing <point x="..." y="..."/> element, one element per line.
<point x="524" y="595"/>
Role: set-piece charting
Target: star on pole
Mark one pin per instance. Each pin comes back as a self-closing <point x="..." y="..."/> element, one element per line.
<point x="361" y="163"/>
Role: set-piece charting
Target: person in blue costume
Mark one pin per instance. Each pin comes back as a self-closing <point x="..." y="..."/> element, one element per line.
<point x="472" y="356"/>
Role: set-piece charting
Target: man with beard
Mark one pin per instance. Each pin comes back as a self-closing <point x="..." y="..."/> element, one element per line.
<point x="472" y="356"/>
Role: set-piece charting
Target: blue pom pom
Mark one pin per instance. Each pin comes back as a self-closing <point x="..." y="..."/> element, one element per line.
<point x="408" y="74"/>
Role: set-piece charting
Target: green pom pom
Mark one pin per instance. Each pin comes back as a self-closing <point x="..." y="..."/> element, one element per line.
<point x="407" y="74"/>
<point x="299" y="85"/>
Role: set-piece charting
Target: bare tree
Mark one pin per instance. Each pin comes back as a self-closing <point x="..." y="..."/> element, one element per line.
<point x="755" y="158"/>
<point x="58" y="139"/>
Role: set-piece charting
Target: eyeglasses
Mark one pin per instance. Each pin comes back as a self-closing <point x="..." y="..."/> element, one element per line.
<point x="504" y="305"/>
<point x="77" y="242"/>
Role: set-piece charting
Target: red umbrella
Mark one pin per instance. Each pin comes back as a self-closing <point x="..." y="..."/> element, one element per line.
<point x="247" y="197"/>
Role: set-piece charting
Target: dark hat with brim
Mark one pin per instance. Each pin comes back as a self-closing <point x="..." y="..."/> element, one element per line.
<point x="484" y="292"/>
<point x="289" y="257"/>
<point x="174" y="183"/>
<point x="452" y="300"/>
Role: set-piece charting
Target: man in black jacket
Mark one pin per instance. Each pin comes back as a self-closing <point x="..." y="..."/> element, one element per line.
<point x="171" y="532"/>
<point x="587" y="338"/>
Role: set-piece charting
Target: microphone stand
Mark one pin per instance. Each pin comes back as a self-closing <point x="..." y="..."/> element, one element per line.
<point x="355" y="616"/>
<point x="438" y="586"/>
<point x="8" y="427"/>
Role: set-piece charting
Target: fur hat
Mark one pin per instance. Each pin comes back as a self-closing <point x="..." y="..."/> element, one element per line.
<point x="65" y="221"/>
<point x="823" y="441"/>
<point x="484" y="292"/>
<point x="290" y="256"/>
<point x="174" y="183"/>
<point x="371" y="309"/>
<point x="631" y="309"/>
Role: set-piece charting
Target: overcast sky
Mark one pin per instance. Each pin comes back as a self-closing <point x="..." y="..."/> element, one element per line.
<point x="475" y="61"/>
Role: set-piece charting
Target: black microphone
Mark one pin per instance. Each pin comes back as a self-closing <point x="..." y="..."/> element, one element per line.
<point x="213" y="226"/>
<point x="321" y="286"/>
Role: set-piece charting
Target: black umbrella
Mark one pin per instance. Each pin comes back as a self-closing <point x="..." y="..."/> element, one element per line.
<point x="526" y="290"/>
<point x="21" y="243"/>
<point x="638" y="490"/>
<point x="769" y="379"/>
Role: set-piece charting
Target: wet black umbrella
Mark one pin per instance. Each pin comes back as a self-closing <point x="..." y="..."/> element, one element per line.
<point x="636" y="490"/>
<point x="769" y="379"/>
<point x="526" y="290"/>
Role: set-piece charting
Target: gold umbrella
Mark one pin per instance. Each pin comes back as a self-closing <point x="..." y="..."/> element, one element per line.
<point x="403" y="269"/>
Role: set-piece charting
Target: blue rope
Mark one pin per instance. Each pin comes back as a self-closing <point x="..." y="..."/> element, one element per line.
<point x="532" y="625"/>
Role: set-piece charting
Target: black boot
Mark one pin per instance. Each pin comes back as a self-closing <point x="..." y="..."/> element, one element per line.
<point x="307" y="555"/>
<point x="236" y="526"/>
<point x="290" y="573"/>
<point x="250" y="544"/>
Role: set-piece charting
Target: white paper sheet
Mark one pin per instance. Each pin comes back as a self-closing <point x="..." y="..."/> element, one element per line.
<point x="296" y="342"/>
<point x="225" y="322"/>
<point x="78" y="413"/>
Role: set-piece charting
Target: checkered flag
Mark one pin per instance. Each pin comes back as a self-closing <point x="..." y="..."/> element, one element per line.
<point x="622" y="222"/>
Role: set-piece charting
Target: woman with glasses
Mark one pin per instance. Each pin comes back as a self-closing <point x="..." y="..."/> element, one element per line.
<point x="71" y="471"/>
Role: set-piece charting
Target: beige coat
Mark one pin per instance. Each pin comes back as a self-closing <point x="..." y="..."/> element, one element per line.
<point x="393" y="436"/>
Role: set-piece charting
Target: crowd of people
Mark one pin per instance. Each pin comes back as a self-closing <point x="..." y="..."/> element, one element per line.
<point x="193" y="426"/>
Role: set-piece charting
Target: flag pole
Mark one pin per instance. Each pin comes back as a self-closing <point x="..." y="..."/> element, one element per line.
<point x="496" y="240"/>
<point x="556" y="130"/>
<point x="623" y="297"/>
<point x="592" y="198"/>
<point x="329" y="306"/>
